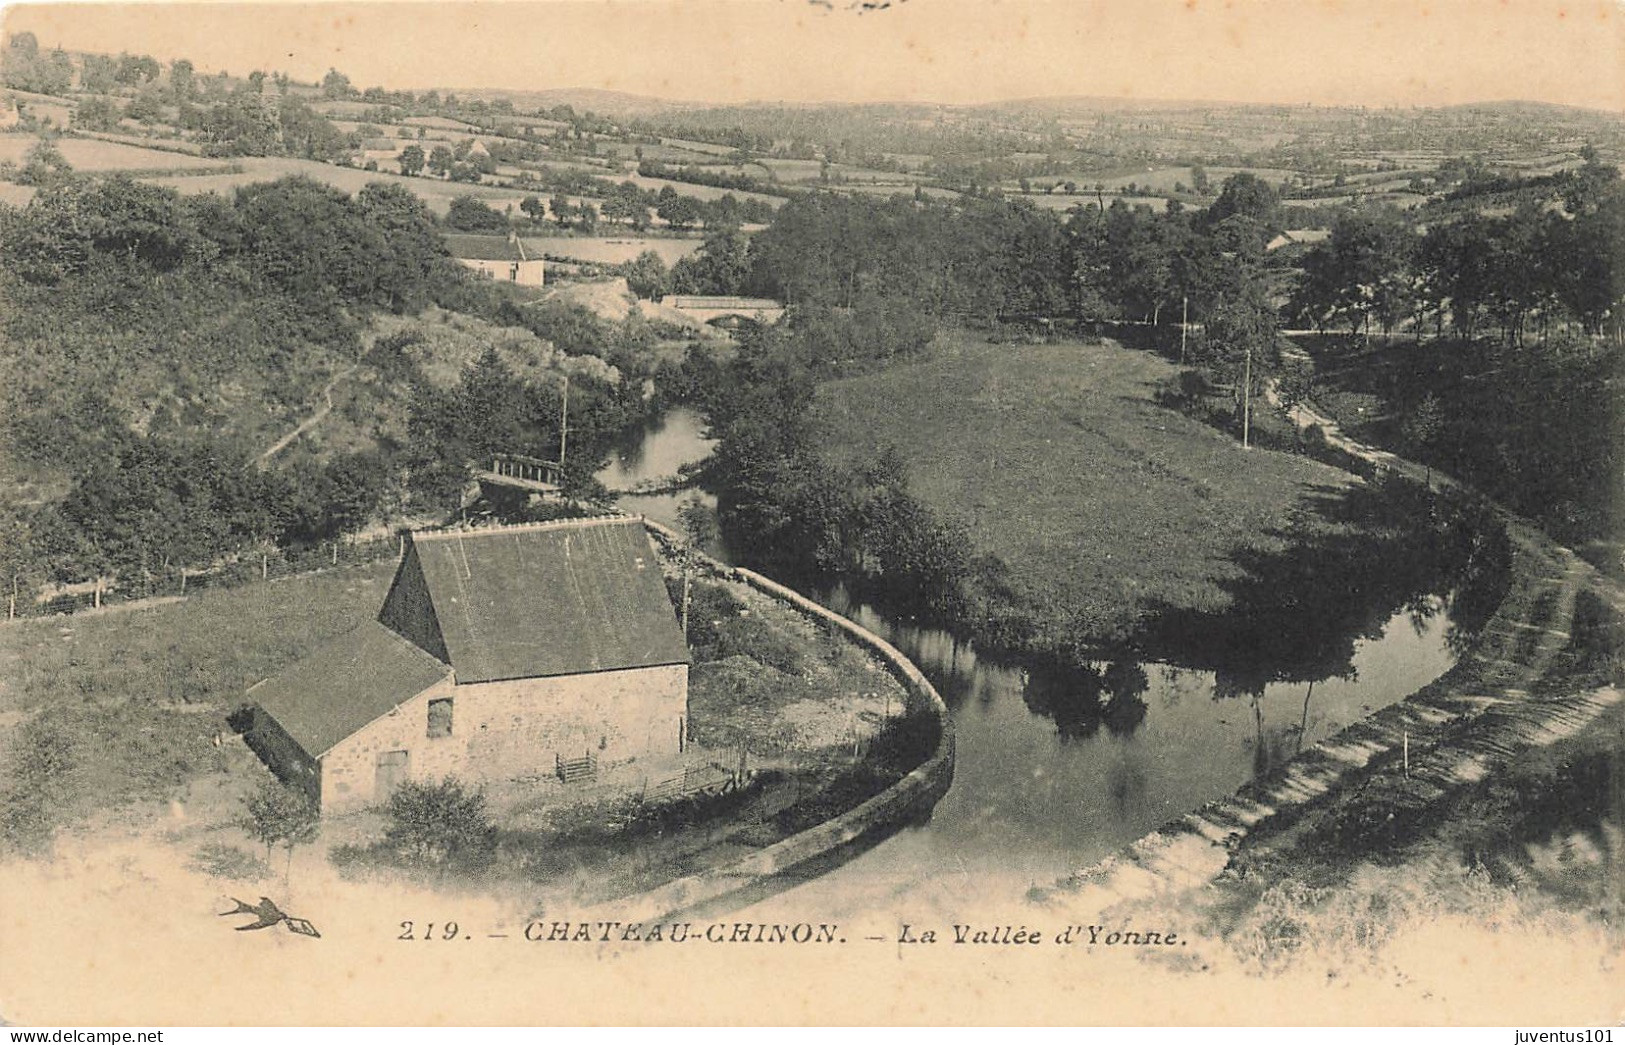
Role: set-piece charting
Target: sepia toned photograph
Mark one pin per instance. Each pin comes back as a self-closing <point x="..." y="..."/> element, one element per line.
<point x="784" y="513"/>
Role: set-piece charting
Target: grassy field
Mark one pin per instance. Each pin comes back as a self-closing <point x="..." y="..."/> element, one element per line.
<point x="435" y="193"/>
<point x="94" y="156"/>
<point x="1100" y="503"/>
<point x="612" y="250"/>
<point x="117" y="713"/>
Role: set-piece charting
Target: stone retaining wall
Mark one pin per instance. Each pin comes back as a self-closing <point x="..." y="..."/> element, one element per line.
<point x="913" y="795"/>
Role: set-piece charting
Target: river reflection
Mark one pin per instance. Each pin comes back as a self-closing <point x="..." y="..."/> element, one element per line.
<point x="1057" y="768"/>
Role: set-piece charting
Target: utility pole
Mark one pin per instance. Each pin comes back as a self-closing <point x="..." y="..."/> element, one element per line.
<point x="564" y="420"/>
<point x="1184" y="325"/>
<point x="1247" y="396"/>
<point x="685" y="603"/>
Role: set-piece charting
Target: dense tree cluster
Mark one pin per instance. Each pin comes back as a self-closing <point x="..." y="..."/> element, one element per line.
<point x="694" y="174"/>
<point x="1536" y="270"/>
<point x="985" y="259"/>
<point x="784" y="503"/>
<point x="24" y="67"/>
<point x="154" y="342"/>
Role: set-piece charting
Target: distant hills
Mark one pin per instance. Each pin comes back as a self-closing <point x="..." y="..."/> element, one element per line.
<point x="625" y="105"/>
<point x="615" y="104"/>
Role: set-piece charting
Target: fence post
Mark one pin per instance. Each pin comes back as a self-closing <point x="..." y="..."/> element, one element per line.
<point x="335" y="553"/>
<point x="98" y="600"/>
<point x="402" y="553"/>
<point x="183" y="580"/>
<point x="11" y="610"/>
<point x="265" y="565"/>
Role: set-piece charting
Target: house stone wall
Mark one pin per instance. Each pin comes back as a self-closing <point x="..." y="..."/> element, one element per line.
<point x="529" y="273"/>
<point x="516" y="728"/>
<point x="292" y="765"/>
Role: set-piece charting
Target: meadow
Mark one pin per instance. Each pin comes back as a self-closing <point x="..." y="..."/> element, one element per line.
<point x="123" y="708"/>
<point x="611" y="250"/>
<point x="436" y="194"/>
<point x="1101" y="504"/>
<point x="99" y="156"/>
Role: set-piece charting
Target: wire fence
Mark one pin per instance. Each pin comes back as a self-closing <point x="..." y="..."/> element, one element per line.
<point x="269" y="565"/>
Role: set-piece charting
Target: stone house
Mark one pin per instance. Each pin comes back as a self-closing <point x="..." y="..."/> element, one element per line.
<point x="499" y="258"/>
<point x="503" y="653"/>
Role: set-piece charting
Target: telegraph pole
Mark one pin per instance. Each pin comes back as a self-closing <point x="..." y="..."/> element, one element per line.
<point x="564" y="420"/>
<point x="1184" y="325"/>
<point x="1247" y="396"/>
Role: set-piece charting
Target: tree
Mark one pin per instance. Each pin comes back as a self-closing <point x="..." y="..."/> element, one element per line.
<point x="720" y="266"/>
<point x="439" y="824"/>
<point x="281" y="814"/>
<point x="413" y="261"/>
<point x="97" y="114"/>
<point x="147" y="106"/>
<point x="182" y="80"/>
<point x="1247" y="195"/>
<point x="412" y="160"/>
<point x="440" y="160"/>
<point x="23" y="67"/>
<point x="336" y="86"/>
<point x="678" y="211"/>
<point x="562" y="211"/>
<point x="1422" y="429"/>
<point x="1364" y="270"/>
<point x="137" y="69"/>
<point x="699" y="521"/>
<point x="99" y="73"/>
<point x="646" y="275"/>
<point x="44" y="164"/>
<point x="471" y="214"/>
<point x="1239" y="342"/>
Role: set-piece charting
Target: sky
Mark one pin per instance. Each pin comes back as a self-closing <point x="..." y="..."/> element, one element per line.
<point x="1363" y="52"/>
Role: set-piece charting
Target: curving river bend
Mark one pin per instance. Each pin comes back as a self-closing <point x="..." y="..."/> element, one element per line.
<point x="1053" y="774"/>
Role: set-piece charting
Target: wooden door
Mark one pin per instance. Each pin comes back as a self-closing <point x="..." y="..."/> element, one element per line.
<point x="393" y="767"/>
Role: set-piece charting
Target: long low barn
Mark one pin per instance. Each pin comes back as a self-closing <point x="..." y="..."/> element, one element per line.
<point x="498" y="653"/>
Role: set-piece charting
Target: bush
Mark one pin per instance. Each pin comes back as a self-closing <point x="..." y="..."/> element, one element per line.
<point x="439" y="824"/>
<point x="280" y="814"/>
<point x="1389" y="812"/>
<point x="218" y="860"/>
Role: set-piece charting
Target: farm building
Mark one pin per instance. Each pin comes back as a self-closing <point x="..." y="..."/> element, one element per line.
<point x="496" y="257"/>
<point x="499" y="654"/>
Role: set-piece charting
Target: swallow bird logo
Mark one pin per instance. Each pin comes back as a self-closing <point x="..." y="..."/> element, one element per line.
<point x="267" y="914"/>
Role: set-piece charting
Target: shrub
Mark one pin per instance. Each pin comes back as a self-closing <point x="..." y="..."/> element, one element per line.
<point x="279" y="814"/>
<point x="218" y="860"/>
<point x="439" y="824"/>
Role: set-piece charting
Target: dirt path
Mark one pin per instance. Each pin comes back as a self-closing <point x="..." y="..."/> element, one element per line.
<point x="308" y="423"/>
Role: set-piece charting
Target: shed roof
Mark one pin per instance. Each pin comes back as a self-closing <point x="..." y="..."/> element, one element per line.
<point x="346" y="684"/>
<point x="560" y="598"/>
<point x="485" y="248"/>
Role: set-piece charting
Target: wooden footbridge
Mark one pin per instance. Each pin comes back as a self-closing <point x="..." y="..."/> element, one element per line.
<point x="516" y="472"/>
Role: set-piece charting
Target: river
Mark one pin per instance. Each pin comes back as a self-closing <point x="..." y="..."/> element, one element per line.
<point x="1055" y="773"/>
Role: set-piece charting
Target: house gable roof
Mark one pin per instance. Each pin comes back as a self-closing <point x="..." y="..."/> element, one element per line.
<point x="560" y="598"/>
<point x="347" y="683"/>
<point x="485" y="248"/>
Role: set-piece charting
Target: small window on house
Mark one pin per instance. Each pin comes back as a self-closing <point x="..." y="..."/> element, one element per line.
<point x="440" y="717"/>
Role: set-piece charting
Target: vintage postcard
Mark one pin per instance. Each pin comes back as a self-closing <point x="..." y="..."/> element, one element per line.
<point x="716" y="512"/>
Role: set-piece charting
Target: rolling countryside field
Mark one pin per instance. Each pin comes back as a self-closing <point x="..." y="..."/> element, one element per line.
<point x="1070" y="433"/>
